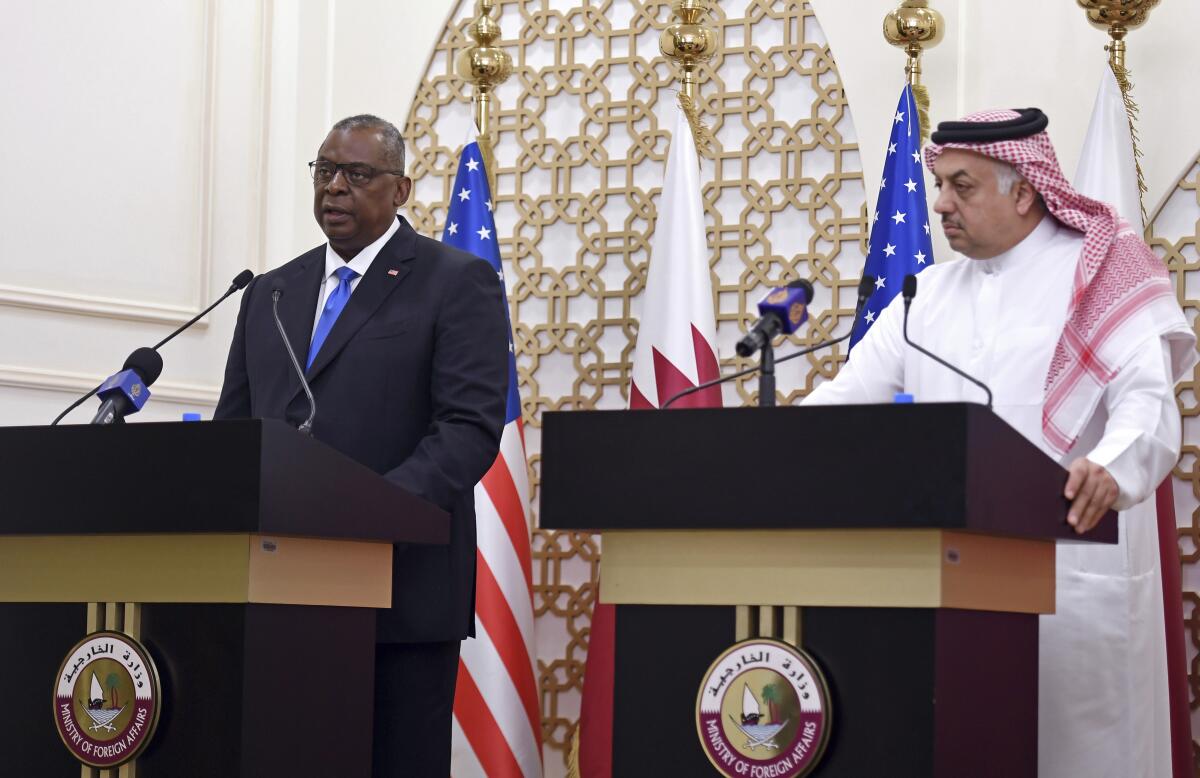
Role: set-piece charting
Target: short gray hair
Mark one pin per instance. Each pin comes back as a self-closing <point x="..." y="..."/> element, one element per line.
<point x="393" y="141"/>
<point x="1006" y="176"/>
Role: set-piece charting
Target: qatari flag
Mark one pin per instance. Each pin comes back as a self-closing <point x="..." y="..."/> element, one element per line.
<point x="677" y="332"/>
<point x="676" y="349"/>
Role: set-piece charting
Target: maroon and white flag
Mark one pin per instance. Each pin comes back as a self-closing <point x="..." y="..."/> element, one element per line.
<point x="676" y="350"/>
<point x="677" y="333"/>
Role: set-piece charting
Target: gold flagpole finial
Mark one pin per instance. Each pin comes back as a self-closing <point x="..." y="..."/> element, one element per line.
<point x="485" y="65"/>
<point x="689" y="42"/>
<point x="914" y="27"/>
<point x="1117" y="18"/>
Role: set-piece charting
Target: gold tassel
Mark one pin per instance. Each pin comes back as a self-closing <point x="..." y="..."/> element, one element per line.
<point x="1131" y="112"/>
<point x="921" y="95"/>
<point x="573" y="755"/>
<point x="701" y="133"/>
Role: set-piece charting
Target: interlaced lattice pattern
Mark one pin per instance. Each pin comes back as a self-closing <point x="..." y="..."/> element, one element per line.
<point x="581" y="141"/>
<point x="1174" y="234"/>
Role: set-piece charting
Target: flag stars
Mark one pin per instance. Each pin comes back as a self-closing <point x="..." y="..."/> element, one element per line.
<point x="889" y="250"/>
<point x="926" y="228"/>
<point x="484" y="233"/>
<point x="899" y="117"/>
<point x="883" y="184"/>
<point x="870" y="317"/>
<point x="472" y="164"/>
<point x="875" y="218"/>
<point x="464" y="195"/>
<point x="891" y="149"/>
<point x="898" y="218"/>
<point x="880" y="282"/>
<point x="453" y="229"/>
<point x="920" y="257"/>
<point x="910" y="185"/>
<point x="489" y="205"/>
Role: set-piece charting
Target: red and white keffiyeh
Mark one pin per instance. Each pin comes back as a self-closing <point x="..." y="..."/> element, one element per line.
<point x="1121" y="291"/>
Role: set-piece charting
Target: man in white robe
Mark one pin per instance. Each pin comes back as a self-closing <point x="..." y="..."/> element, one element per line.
<point x="1058" y="309"/>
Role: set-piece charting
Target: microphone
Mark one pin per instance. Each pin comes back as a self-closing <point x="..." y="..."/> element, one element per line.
<point x="239" y="282"/>
<point x="127" y="391"/>
<point x="909" y="291"/>
<point x="278" y="286"/>
<point x="866" y="286"/>
<point x="783" y="310"/>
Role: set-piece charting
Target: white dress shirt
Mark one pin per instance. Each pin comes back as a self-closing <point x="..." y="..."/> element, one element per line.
<point x="362" y="260"/>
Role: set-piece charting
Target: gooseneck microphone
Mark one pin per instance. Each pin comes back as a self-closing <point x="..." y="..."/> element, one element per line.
<point x="239" y="282"/>
<point x="127" y="391"/>
<point x="866" y="286"/>
<point x="279" y="286"/>
<point x="909" y="291"/>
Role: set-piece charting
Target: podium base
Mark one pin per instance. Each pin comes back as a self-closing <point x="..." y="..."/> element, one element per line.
<point x="248" y="690"/>
<point x="915" y="691"/>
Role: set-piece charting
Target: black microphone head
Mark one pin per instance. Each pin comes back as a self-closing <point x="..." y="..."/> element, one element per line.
<point x="800" y="283"/>
<point x="278" y="287"/>
<point x="910" y="287"/>
<point x="242" y="278"/>
<point x="866" y="286"/>
<point x="147" y="363"/>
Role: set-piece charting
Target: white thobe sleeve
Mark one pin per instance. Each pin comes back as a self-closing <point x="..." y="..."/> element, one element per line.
<point x="1142" y="436"/>
<point x="875" y="370"/>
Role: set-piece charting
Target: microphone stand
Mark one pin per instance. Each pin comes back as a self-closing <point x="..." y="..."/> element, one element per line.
<point x="766" y="384"/>
<point x="766" y="376"/>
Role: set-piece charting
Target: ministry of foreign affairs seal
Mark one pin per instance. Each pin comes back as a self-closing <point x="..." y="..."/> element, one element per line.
<point x="763" y="711"/>
<point x="107" y="699"/>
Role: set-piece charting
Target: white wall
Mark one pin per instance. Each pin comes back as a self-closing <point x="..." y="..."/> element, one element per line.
<point x="156" y="149"/>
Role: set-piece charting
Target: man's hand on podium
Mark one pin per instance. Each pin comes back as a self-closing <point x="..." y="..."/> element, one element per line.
<point x="1092" y="492"/>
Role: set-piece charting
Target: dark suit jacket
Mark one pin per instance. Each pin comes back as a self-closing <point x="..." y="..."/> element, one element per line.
<point x="410" y="382"/>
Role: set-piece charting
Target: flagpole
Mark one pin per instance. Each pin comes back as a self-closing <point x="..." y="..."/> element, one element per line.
<point x="914" y="26"/>
<point x="689" y="43"/>
<point x="1117" y="18"/>
<point x="486" y="66"/>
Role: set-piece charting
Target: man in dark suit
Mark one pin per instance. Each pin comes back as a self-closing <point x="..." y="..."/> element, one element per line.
<point x="406" y="348"/>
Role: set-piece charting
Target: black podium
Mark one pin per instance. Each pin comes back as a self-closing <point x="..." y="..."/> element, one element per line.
<point x="908" y="548"/>
<point x="247" y="558"/>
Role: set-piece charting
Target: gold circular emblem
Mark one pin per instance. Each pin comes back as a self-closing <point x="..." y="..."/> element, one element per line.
<point x="763" y="710"/>
<point x="107" y="698"/>
<point x="796" y="314"/>
<point x="776" y="297"/>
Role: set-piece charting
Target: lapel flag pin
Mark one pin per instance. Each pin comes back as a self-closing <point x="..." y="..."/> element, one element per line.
<point x="393" y="272"/>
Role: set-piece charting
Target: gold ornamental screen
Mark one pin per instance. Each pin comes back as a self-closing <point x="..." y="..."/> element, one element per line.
<point x="581" y="143"/>
<point x="1174" y="234"/>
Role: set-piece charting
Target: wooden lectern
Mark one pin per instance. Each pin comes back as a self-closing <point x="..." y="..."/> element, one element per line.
<point x="908" y="548"/>
<point x="249" y="560"/>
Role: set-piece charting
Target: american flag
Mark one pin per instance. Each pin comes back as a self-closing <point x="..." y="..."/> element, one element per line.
<point x="497" y="723"/>
<point x="900" y="241"/>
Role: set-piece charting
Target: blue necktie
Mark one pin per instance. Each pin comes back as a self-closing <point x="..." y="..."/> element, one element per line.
<point x="333" y="307"/>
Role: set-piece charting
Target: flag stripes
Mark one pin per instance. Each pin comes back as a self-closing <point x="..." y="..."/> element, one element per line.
<point x="498" y="481"/>
<point x="497" y="724"/>
<point x="478" y="725"/>
<point x="497" y="619"/>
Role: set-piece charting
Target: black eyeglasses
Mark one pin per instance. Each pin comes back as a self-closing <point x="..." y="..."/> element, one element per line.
<point x="356" y="173"/>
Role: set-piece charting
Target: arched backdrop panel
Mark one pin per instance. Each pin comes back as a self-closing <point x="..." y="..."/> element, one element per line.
<point x="583" y="132"/>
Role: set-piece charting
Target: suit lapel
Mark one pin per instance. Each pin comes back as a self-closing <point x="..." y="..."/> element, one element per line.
<point x="386" y="272"/>
<point x="298" y="308"/>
